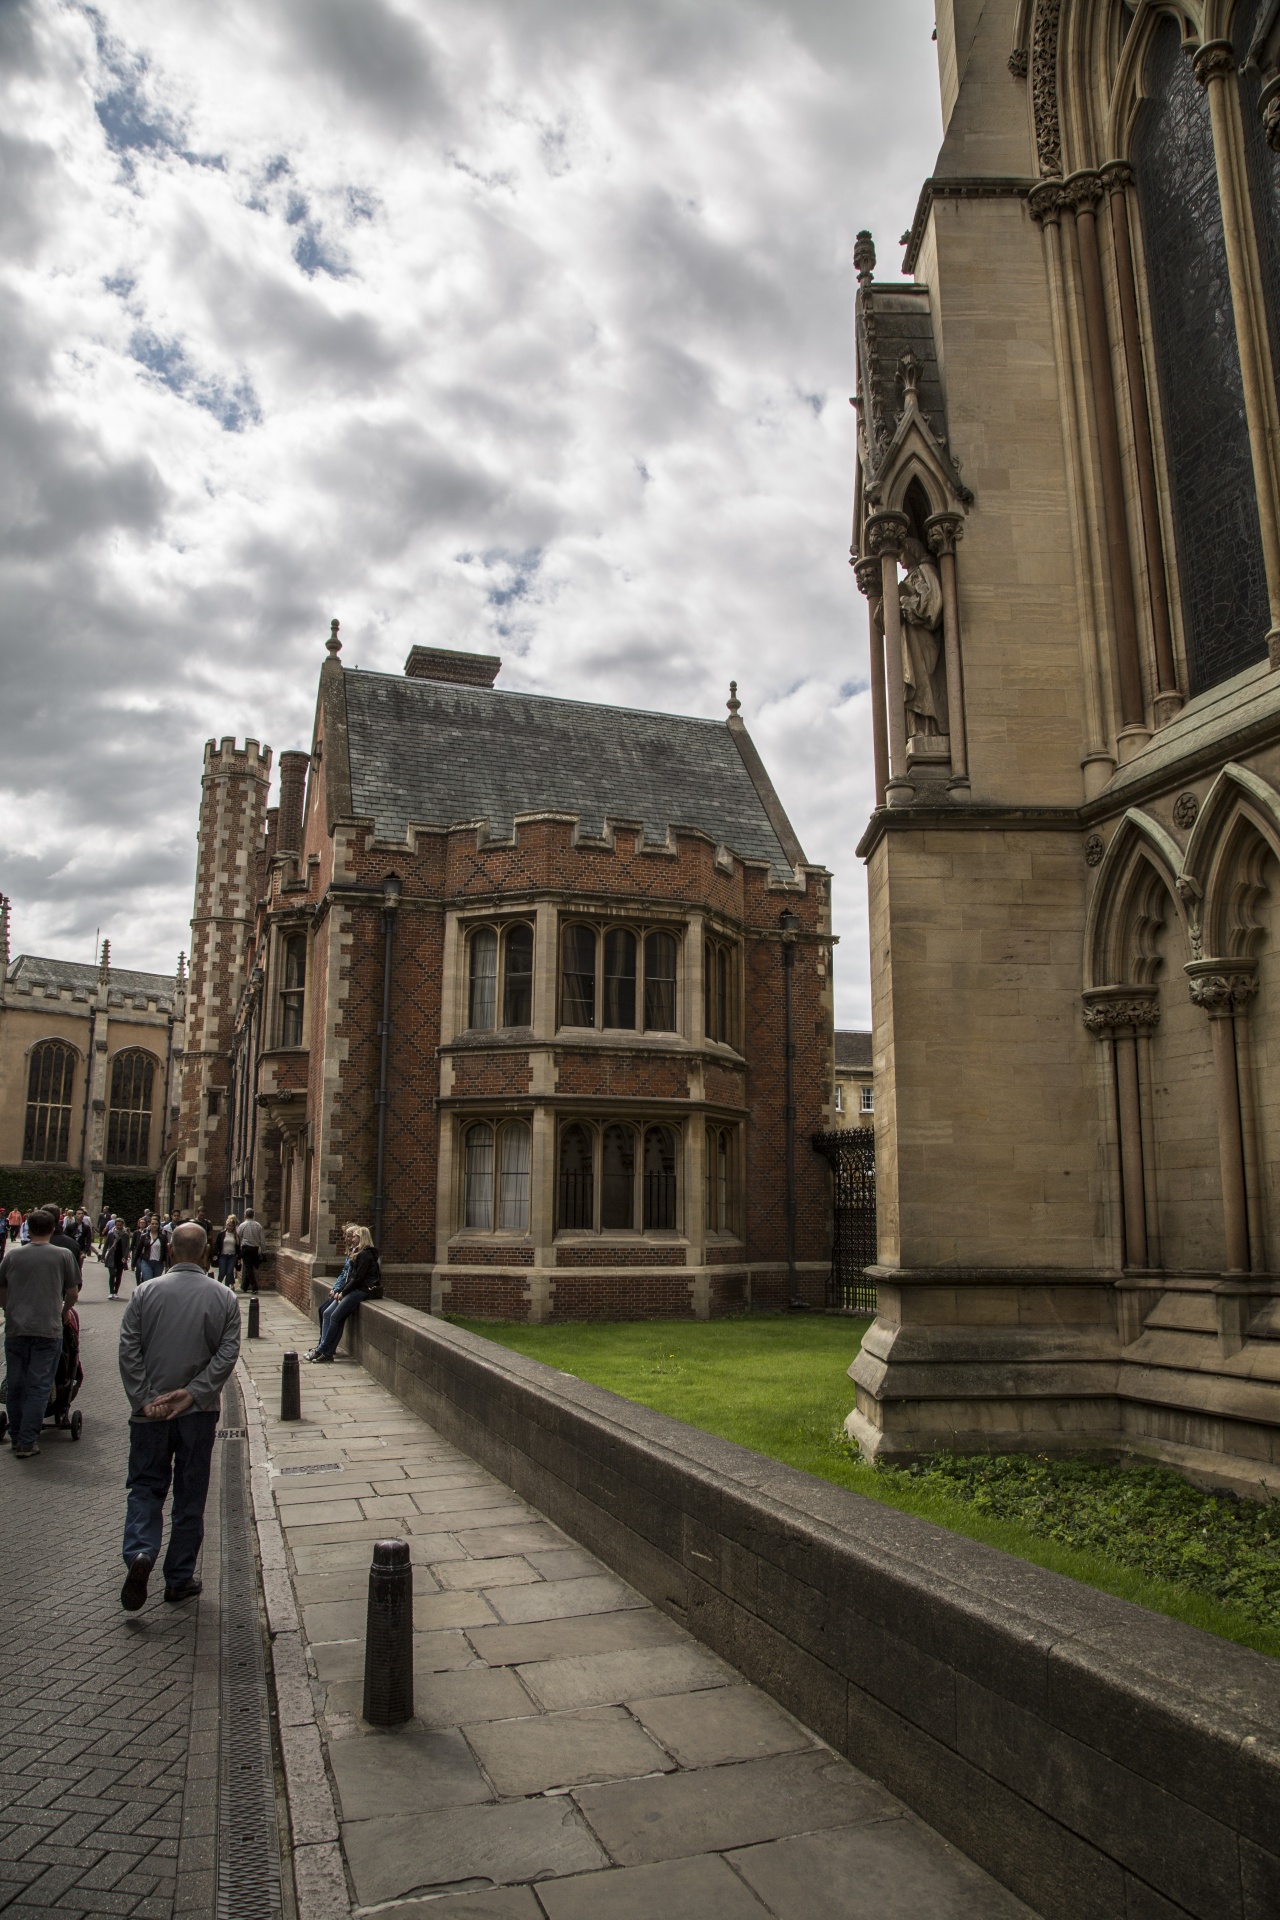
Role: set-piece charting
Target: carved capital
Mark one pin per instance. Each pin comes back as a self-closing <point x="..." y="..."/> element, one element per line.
<point x="944" y="531"/>
<point x="1046" y="202"/>
<point x="1108" y="1010"/>
<point x="869" y="577"/>
<point x="1269" y="111"/>
<point x="1083" y="191"/>
<point x="1222" y="987"/>
<point x="1214" y="61"/>
<point x="1116" y="176"/>
<point x="886" y="532"/>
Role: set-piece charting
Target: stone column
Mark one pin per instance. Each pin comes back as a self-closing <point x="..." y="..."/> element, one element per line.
<point x="886" y="535"/>
<point x="1083" y="192"/>
<point x="943" y="531"/>
<point x="1223" y="988"/>
<point x="1116" y="179"/>
<point x="868" y="575"/>
<point x="1118" y="1014"/>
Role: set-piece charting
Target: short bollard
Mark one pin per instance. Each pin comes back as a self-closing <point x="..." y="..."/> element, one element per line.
<point x="253" y="1318"/>
<point x="388" y="1639"/>
<point x="290" y="1388"/>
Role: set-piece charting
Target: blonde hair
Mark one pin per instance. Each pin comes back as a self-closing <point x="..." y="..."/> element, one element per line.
<point x="230" y="1221"/>
<point x="361" y="1236"/>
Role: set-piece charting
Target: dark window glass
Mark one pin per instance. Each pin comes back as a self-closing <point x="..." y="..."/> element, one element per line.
<point x="517" y="989"/>
<point x="578" y="994"/>
<point x="477" y="1177"/>
<point x="293" y="991"/>
<point x="1225" y="607"/>
<point x="718" y="1171"/>
<point x="1264" y="172"/>
<point x="619" y="978"/>
<point x="48" y="1128"/>
<point x="618" y="1179"/>
<point x="129" y="1110"/>
<point x="709" y="991"/>
<point x="724" y="999"/>
<point x="660" y="983"/>
<point x="515" y="1149"/>
<point x="483" y="1007"/>
<point x="660" y="1179"/>
<point x="577" y="1200"/>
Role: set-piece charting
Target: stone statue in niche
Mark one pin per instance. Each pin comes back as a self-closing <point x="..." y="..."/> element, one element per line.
<point x="923" y="665"/>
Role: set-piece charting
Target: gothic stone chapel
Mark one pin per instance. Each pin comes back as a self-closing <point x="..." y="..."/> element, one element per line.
<point x="509" y="980"/>
<point x="1068" y="532"/>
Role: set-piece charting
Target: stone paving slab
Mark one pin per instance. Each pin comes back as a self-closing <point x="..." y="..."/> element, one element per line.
<point x="575" y="1754"/>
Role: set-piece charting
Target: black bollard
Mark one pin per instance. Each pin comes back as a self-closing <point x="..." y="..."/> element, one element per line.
<point x="388" y="1639"/>
<point x="253" y="1317"/>
<point x="290" y="1388"/>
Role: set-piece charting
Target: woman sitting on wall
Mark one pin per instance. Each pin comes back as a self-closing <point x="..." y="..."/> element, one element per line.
<point x="360" y="1280"/>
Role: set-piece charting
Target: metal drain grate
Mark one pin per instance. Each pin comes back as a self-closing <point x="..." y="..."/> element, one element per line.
<point x="248" y="1837"/>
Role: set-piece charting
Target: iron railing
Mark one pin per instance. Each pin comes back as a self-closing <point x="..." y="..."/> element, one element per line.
<point x="851" y="1154"/>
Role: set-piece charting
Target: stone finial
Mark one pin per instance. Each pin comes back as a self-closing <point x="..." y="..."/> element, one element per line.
<point x="4" y="935"/>
<point x="333" y="646"/>
<point x="104" y="959"/>
<point x="180" y="977"/>
<point x="864" y="258"/>
<point x="733" y="703"/>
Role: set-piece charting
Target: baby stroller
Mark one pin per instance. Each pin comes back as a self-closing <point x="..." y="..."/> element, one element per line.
<point x="67" y="1383"/>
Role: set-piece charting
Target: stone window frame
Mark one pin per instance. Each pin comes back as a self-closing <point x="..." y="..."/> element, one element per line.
<point x="501" y="931"/>
<point x="722" y="996"/>
<point x="118" y="1114"/>
<point x="641" y="1125"/>
<point x="722" y="1202"/>
<point x="642" y="929"/>
<point x="64" y="1107"/>
<point x="498" y="1125"/>
<point x="291" y="998"/>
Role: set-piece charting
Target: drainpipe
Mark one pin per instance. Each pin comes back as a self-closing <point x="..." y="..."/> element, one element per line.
<point x="390" y="902"/>
<point x="790" y="926"/>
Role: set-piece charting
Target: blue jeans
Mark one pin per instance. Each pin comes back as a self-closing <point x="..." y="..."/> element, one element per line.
<point x="227" y="1269"/>
<point x="31" y="1363"/>
<point x="159" y="1450"/>
<point x="332" y="1317"/>
<point x="145" y="1271"/>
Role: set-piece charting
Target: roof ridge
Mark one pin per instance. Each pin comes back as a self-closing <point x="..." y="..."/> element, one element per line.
<point x="524" y="693"/>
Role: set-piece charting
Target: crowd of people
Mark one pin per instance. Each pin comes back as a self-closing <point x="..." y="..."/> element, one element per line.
<point x="146" y="1247"/>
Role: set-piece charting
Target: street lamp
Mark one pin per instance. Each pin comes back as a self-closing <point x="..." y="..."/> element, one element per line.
<point x="390" y="904"/>
<point x="790" y="924"/>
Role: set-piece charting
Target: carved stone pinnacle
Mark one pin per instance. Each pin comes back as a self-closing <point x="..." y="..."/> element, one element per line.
<point x="333" y="645"/>
<point x="733" y="703"/>
<point x="864" y="258"/>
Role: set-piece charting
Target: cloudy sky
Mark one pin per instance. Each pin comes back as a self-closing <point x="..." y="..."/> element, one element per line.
<point x="514" y="325"/>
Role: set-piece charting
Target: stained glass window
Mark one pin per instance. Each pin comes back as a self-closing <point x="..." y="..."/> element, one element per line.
<point x="1226" y="613"/>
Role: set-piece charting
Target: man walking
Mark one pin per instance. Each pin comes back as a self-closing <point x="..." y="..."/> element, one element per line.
<point x="178" y="1344"/>
<point x="253" y="1244"/>
<point x="39" y="1286"/>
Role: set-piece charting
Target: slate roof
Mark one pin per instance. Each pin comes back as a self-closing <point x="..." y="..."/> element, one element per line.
<point x="32" y="970"/>
<point x="431" y="754"/>
<point x="853" y="1049"/>
<point x="892" y="321"/>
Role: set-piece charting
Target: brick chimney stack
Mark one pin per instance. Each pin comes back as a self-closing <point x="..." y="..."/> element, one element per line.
<point x="293" y="790"/>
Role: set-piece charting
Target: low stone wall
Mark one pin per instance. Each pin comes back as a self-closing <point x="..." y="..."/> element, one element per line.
<point x="1103" y="1762"/>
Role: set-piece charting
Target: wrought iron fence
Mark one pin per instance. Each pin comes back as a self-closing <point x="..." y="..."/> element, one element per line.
<point x="851" y="1154"/>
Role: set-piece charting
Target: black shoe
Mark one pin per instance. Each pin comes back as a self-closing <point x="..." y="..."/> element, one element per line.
<point x="187" y="1591"/>
<point x="133" y="1593"/>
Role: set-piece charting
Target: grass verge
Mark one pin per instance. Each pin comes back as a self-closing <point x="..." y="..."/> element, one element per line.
<point x="779" y="1385"/>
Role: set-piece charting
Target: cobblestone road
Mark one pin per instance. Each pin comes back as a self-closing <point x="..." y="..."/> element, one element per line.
<point x="95" y="1704"/>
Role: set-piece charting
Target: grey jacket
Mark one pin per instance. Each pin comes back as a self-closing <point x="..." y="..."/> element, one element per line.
<point x="182" y="1330"/>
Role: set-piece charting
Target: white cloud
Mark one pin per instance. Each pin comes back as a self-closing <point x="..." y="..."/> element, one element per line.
<point x="501" y="323"/>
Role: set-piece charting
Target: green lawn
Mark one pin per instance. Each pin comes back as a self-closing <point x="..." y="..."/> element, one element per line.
<point x="779" y="1385"/>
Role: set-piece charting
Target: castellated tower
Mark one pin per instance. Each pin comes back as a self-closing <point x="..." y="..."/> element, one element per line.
<point x="233" y="804"/>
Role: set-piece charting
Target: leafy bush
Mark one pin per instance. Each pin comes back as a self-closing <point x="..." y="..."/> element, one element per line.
<point x="1143" y="1516"/>
<point x="129" y="1193"/>
<point x="27" y="1187"/>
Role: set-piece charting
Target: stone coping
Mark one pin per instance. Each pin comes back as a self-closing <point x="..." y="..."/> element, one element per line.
<point x="1097" y="1758"/>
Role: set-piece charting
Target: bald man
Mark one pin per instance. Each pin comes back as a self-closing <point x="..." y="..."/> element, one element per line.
<point x="179" y="1341"/>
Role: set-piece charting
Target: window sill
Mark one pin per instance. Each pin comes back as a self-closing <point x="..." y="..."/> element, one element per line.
<point x="610" y="1236"/>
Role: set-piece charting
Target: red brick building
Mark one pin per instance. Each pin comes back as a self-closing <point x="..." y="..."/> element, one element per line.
<point x="505" y="978"/>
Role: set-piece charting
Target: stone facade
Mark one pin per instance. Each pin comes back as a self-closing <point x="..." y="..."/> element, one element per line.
<point x="90" y="1059"/>
<point x="1067" y="445"/>
<point x="853" y="1103"/>
<point x="433" y="856"/>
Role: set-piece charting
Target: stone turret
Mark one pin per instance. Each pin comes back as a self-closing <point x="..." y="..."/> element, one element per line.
<point x="233" y="806"/>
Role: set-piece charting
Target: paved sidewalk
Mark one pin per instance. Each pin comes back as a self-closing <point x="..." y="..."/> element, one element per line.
<point x="96" y="1705"/>
<point x="576" y="1755"/>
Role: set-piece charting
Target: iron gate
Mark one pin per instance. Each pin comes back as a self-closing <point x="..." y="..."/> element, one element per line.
<point x="851" y="1154"/>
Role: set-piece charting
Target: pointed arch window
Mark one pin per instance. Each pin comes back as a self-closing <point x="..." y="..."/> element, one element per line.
<point x="50" y="1078"/>
<point x="129" y="1109"/>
